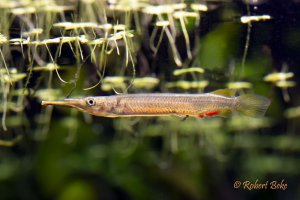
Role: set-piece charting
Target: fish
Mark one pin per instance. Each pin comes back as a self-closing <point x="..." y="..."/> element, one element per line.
<point x="220" y="102"/>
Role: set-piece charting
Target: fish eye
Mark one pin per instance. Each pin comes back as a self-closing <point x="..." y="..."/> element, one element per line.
<point x="90" y="101"/>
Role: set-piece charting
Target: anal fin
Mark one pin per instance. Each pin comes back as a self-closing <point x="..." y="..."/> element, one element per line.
<point x="209" y="114"/>
<point x="226" y="113"/>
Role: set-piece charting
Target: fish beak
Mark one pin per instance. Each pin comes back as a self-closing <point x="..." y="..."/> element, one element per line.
<point x="65" y="102"/>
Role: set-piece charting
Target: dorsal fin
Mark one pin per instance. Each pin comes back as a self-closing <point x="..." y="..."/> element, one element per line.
<point x="225" y="92"/>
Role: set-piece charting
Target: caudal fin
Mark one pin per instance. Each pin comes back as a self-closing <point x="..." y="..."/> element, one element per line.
<point x="252" y="105"/>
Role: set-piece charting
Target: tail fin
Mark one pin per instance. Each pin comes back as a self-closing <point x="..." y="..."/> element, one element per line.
<point x="252" y="105"/>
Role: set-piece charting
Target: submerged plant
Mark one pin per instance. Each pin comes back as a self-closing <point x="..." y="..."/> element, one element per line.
<point x="56" y="37"/>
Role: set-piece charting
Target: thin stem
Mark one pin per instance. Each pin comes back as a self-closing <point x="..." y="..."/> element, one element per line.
<point x="249" y="26"/>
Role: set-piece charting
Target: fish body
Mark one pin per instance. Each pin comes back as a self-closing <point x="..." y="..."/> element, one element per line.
<point x="220" y="102"/>
<point x="167" y="104"/>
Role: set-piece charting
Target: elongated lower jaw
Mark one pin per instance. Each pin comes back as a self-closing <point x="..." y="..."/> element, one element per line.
<point x="60" y="103"/>
<point x="66" y="102"/>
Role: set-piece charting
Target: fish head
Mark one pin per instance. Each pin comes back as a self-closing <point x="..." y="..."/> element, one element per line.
<point x="92" y="105"/>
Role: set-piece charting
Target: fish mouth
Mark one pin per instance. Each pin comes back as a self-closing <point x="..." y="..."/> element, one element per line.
<point x="65" y="102"/>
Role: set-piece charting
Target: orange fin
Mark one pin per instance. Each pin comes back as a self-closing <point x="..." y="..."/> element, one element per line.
<point x="209" y="114"/>
<point x="212" y="113"/>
